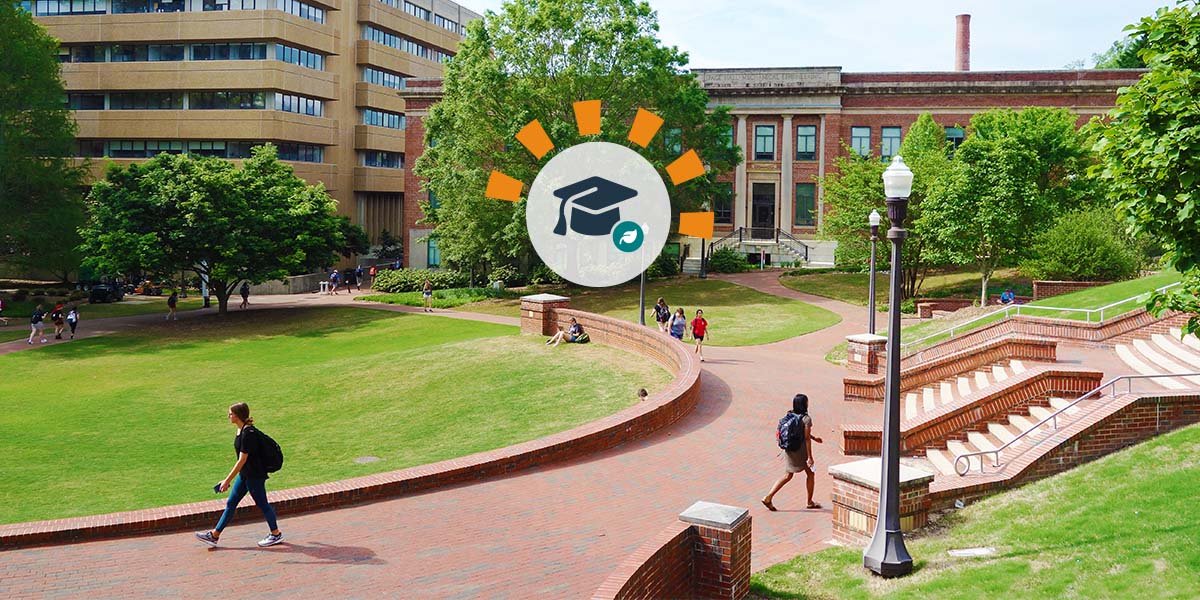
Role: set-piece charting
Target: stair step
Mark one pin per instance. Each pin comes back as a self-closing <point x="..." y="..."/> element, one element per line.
<point x="1134" y="361"/>
<point x="981" y="380"/>
<point x="1166" y="365"/>
<point x="941" y="460"/>
<point x="1041" y="412"/>
<point x="982" y="441"/>
<point x="999" y="373"/>
<point x="927" y="399"/>
<point x="1021" y="423"/>
<point x="956" y="448"/>
<point x="1002" y="432"/>
<point x="964" y="386"/>
<point x="1190" y="340"/>
<point x="1176" y="349"/>
<point x="1016" y="366"/>
<point x="910" y="405"/>
<point x="1059" y="403"/>
<point x="947" y="393"/>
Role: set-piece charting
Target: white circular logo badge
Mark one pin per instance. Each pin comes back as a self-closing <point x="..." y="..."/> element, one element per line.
<point x="598" y="214"/>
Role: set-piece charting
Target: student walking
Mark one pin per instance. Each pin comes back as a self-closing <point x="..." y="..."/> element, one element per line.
<point x="59" y="319"/>
<point x="678" y="324"/>
<point x="699" y="329"/>
<point x="334" y="278"/>
<point x="249" y="475"/>
<point x="662" y="315"/>
<point x="373" y="271"/>
<point x="3" y="319"/>
<point x="37" y="328"/>
<point x="73" y="319"/>
<point x="799" y="458"/>
<point x="245" y="291"/>
<point x="358" y="277"/>
<point x="172" y="302"/>
<point x="427" y="294"/>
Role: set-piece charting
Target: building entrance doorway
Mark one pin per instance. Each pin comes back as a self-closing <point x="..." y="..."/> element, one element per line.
<point x="762" y="211"/>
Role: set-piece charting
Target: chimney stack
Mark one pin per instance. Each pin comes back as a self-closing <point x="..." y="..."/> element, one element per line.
<point x="962" y="43"/>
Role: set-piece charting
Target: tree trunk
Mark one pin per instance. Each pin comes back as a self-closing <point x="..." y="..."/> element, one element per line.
<point x="223" y="292"/>
<point x="983" y="292"/>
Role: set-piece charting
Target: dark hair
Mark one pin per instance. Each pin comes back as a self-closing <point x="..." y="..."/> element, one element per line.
<point x="642" y="393"/>
<point x="679" y="311"/>
<point x="661" y="301"/>
<point x="800" y="404"/>
<point x="241" y="410"/>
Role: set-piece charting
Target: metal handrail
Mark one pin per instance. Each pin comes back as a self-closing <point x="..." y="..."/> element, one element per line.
<point x="1053" y="417"/>
<point x="786" y="238"/>
<point x="721" y="241"/>
<point x="1033" y="307"/>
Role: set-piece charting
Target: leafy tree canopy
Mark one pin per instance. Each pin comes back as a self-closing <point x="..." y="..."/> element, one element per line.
<point x="1084" y="246"/>
<point x="533" y="60"/>
<point x="40" y="204"/>
<point x="1123" y="54"/>
<point x="1150" y="147"/>
<point x="178" y="213"/>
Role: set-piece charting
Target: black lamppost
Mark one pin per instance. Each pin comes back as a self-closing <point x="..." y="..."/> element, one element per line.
<point x="642" y="299"/>
<point x="703" y="274"/>
<point x="886" y="554"/>
<point x="873" y="220"/>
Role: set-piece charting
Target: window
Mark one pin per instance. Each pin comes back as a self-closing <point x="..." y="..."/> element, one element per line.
<point x="227" y="100"/>
<point x="47" y="8"/>
<point x="806" y="204"/>
<point x="860" y="140"/>
<point x="244" y="51"/>
<point x="723" y="210"/>
<point x="131" y="6"/>
<point x="145" y="101"/>
<point x="127" y="149"/>
<point x="85" y="101"/>
<point x="728" y="136"/>
<point x="165" y="52"/>
<point x="154" y="148"/>
<point x="955" y="137"/>
<point x="89" y="148"/>
<point x="764" y="142"/>
<point x="300" y="9"/>
<point x="382" y="118"/>
<point x="445" y="23"/>
<point x="378" y="158"/>
<point x="434" y="203"/>
<point x="129" y="53"/>
<point x="416" y="11"/>
<point x="216" y="5"/>
<point x="300" y="57"/>
<point x="298" y="104"/>
<point x="301" y="152"/>
<point x="88" y="54"/>
<point x="806" y="142"/>
<point x="891" y="142"/>
<point x="435" y="255"/>
<point x="399" y="42"/>
<point x="673" y="141"/>
<point x="384" y="78"/>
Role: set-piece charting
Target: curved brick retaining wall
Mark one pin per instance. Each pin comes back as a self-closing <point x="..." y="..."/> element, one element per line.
<point x="660" y="410"/>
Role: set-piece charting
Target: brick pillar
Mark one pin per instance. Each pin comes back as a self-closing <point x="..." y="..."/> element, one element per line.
<point x="537" y="313"/>
<point x="866" y="353"/>
<point x="721" y="551"/>
<point x="855" y="498"/>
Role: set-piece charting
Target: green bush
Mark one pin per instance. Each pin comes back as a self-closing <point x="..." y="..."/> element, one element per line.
<point x="1084" y="246"/>
<point x="447" y="298"/>
<point x="542" y="274"/>
<point x="666" y="265"/>
<point x="20" y="295"/>
<point x="77" y="295"/>
<point x="728" y="260"/>
<point x="413" y="280"/>
<point x="506" y="273"/>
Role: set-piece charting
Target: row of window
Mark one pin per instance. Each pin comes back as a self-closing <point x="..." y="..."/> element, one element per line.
<point x="805" y="205"/>
<point x="299" y="104"/>
<point x="220" y="100"/>
<point x="383" y="77"/>
<point x="379" y="158"/>
<point x="806" y="142"/>
<point x="221" y="149"/>
<point x="425" y="15"/>
<point x="860" y="141"/>
<point x="383" y="118"/>
<point x="48" y="8"/>
<point x="399" y="42"/>
<point x="178" y="52"/>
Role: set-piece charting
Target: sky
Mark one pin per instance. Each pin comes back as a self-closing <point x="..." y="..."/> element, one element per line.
<point x="893" y="35"/>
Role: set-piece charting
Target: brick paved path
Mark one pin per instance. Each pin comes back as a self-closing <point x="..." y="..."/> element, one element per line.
<point x="553" y="532"/>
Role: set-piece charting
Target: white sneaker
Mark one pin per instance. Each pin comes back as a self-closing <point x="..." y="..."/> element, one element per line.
<point x="270" y="540"/>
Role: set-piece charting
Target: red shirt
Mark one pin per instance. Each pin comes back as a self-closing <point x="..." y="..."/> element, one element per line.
<point x="699" y="326"/>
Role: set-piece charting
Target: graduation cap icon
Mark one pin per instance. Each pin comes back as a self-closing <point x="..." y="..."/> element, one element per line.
<point x="594" y="206"/>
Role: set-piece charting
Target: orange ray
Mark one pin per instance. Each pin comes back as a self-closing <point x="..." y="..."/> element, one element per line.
<point x="503" y="187"/>
<point x="685" y="168"/>
<point x="534" y="138"/>
<point x="587" y="116"/>
<point x="645" y="125"/>
<point x="696" y="224"/>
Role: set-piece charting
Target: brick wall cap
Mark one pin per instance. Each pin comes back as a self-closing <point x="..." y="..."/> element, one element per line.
<point x="544" y="298"/>
<point x="712" y="514"/>
<point x="1073" y="281"/>
<point x="868" y="471"/>
<point x="866" y="338"/>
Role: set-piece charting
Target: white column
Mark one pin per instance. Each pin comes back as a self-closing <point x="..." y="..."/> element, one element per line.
<point x="821" y="178"/>
<point x="787" y="193"/>
<point x="739" y="178"/>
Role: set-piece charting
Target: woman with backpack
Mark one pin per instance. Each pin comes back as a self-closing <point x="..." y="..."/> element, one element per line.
<point x="662" y="314"/>
<point x="58" y="317"/>
<point x="796" y="426"/>
<point x="678" y="324"/>
<point x="249" y="475"/>
<point x="36" y="326"/>
<point x="73" y="319"/>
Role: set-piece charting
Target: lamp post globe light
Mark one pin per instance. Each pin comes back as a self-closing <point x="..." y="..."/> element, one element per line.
<point x="886" y="554"/>
<point x="873" y="221"/>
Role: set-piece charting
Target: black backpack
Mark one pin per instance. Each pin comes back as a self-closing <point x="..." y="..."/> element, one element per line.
<point x="790" y="433"/>
<point x="272" y="455"/>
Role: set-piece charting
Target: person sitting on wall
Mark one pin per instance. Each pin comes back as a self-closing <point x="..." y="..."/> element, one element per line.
<point x="1007" y="297"/>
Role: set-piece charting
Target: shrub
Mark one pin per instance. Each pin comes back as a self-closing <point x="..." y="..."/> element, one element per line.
<point x="728" y="260"/>
<point x="448" y="298"/>
<point x="542" y="274"/>
<point x="77" y="295"/>
<point x="666" y="265"/>
<point x="412" y="280"/>
<point x="20" y="295"/>
<point x="506" y="273"/>
<point x="1084" y="246"/>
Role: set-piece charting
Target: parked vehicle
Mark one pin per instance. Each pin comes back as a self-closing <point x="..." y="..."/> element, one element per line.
<point x="105" y="292"/>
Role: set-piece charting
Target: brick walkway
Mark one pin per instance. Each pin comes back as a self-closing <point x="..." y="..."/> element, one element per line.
<point x="553" y="532"/>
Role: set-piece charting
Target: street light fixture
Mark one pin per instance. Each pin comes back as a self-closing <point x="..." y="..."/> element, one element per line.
<point x="873" y="220"/>
<point x="886" y="554"/>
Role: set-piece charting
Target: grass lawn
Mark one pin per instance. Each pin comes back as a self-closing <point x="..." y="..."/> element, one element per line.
<point x="1121" y="527"/>
<point x="18" y="312"/>
<point x="737" y="315"/>
<point x="137" y="420"/>
<point x="448" y="298"/>
<point x="853" y="288"/>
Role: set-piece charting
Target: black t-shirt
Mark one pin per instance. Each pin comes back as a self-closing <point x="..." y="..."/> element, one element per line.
<point x="250" y="442"/>
<point x="37" y="317"/>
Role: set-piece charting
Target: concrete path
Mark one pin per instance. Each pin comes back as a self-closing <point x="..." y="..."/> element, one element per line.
<point x="553" y="532"/>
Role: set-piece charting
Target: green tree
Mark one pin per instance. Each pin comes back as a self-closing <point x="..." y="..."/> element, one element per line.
<point x="40" y="196"/>
<point x="1150" y="149"/>
<point x="390" y="247"/>
<point x="1123" y="54"/>
<point x="178" y="213"/>
<point x="1084" y="246"/>
<point x="533" y="60"/>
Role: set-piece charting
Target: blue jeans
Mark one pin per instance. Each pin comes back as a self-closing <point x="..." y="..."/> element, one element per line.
<point x="237" y="491"/>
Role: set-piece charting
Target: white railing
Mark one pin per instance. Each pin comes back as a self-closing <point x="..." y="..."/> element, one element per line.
<point x="1018" y="309"/>
<point x="962" y="462"/>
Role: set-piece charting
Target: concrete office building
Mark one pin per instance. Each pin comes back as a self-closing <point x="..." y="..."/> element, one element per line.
<point x="317" y="78"/>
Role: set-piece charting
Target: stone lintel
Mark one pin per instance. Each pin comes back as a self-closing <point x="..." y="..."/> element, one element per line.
<point x="710" y="514"/>
<point x="866" y="338"/>
<point x="544" y="298"/>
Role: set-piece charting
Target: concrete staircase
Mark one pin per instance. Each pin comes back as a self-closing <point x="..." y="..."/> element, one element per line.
<point x="947" y="391"/>
<point x="1160" y="354"/>
<point x="1000" y="432"/>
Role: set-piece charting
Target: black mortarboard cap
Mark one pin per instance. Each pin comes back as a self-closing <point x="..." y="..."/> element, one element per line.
<point x="594" y="209"/>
